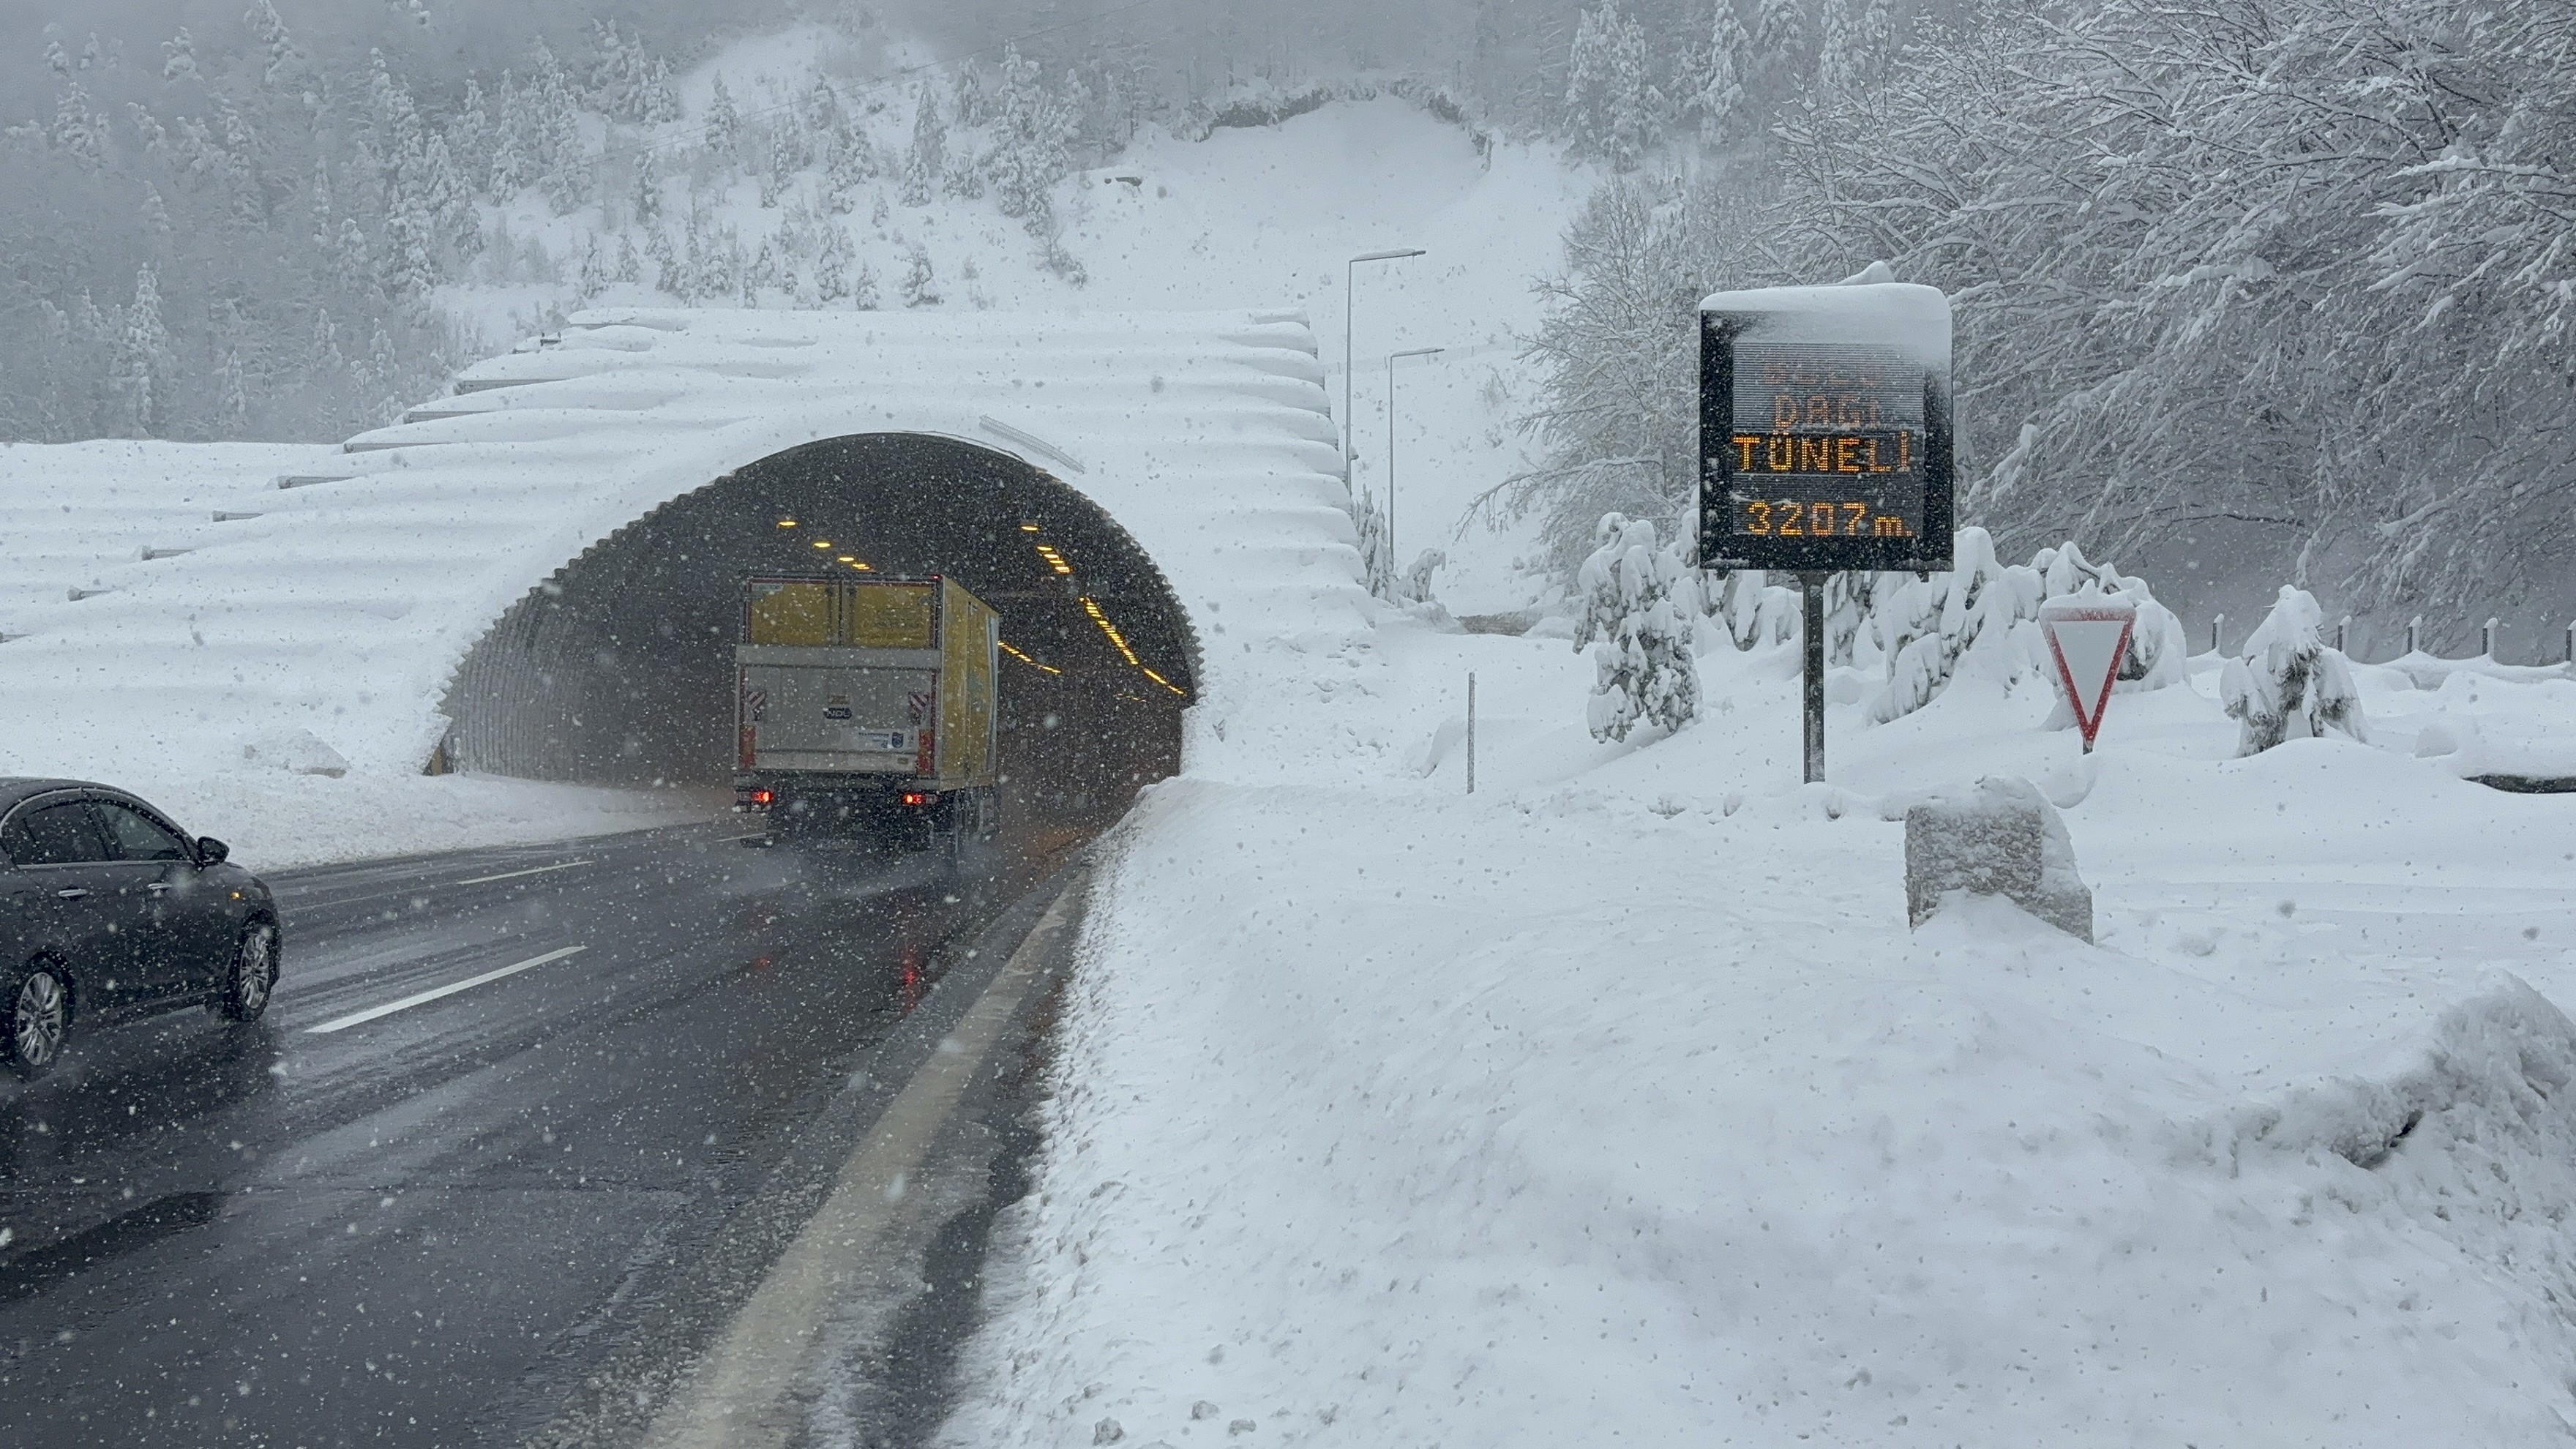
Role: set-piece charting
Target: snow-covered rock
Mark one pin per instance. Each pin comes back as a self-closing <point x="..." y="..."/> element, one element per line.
<point x="1998" y="837"/>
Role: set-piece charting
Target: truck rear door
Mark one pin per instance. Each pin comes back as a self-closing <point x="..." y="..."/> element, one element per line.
<point x="813" y="709"/>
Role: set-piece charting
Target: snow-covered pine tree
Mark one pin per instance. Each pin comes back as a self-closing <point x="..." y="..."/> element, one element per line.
<point x="920" y="288"/>
<point x="469" y="134"/>
<point x="409" y="271"/>
<point x="1925" y="627"/>
<point x="511" y="168"/>
<point x="1610" y="103"/>
<point x="1637" y="620"/>
<point x="142" y="359"/>
<point x="593" y="277"/>
<point x="179" y="56"/>
<point x="620" y="76"/>
<point x="666" y="262"/>
<point x="353" y="263"/>
<point x="630" y="267"/>
<point x="1718" y="87"/>
<point x="724" y="130"/>
<point x="928" y="155"/>
<point x="282" y="64"/>
<point x="777" y="173"/>
<point x="661" y="96"/>
<point x="560" y="147"/>
<point x="1033" y="129"/>
<point x="1377" y="551"/>
<point x="851" y="164"/>
<point x="967" y="95"/>
<point x="647" y="194"/>
<point x="326" y="368"/>
<point x="232" y="397"/>
<point x="1837" y="60"/>
<point x="454" y="219"/>
<point x="693" y="254"/>
<point x="2288" y="685"/>
<point x="832" y="257"/>
<point x="1779" y="26"/>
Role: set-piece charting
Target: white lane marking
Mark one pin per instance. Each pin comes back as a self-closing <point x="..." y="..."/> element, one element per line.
<point x="515" y="874"/>
<point x="435" y="992"/>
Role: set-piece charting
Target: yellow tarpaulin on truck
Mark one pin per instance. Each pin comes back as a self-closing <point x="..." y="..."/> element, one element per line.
<point x="848" y="615"/>
<point x="969" y="637"/>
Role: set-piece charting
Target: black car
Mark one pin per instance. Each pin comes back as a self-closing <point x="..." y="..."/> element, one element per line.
<point x="108" y="911"/>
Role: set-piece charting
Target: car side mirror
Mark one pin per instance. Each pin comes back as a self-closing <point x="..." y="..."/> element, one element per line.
<point x="211" y="851"/>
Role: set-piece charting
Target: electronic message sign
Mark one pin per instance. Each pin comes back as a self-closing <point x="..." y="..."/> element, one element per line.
<point x="1825" y="428"/>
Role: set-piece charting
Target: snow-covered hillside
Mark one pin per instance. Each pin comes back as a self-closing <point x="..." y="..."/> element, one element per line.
<point x="1261" y="216"/>
<point x="1616" y="1103"/>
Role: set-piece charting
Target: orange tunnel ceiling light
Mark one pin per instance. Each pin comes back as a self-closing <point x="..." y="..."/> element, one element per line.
<point x="1024" y="659"/>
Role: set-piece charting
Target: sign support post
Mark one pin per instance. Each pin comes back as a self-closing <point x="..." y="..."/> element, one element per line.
<point x="1811" y="612"/>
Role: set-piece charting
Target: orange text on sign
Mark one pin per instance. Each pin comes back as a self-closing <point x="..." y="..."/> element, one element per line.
<point x="1790" y="518"/>
<point x="1827" y="453"/>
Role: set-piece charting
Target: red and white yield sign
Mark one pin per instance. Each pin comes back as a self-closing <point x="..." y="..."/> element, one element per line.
<point x="2089" y="636"/>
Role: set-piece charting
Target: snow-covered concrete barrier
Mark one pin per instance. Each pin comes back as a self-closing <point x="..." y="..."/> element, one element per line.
<point x="1999" y="837"/>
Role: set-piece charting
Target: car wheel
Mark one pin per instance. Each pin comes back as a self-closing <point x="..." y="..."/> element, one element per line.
<point x="37" y="1012"/>
<point x="253" y="975"/>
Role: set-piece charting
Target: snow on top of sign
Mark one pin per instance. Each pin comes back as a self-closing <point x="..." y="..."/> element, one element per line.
<point x="1907" y="315"/>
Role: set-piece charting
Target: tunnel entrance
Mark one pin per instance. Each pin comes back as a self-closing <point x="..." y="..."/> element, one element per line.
<point x="618" y="670"/>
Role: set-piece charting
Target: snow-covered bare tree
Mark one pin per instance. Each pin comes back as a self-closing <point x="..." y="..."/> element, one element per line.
<point x="1618" y="347"/>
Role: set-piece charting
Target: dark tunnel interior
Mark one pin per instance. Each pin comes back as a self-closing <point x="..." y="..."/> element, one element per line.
<point x="618" y="670"/>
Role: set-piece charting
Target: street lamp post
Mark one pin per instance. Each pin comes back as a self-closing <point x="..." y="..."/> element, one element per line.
<point x="1394" y="560"/>
<point x="1350" y="279"/>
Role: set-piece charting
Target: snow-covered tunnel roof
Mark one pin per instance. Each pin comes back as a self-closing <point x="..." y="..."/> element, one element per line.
<point x="345" y="605"/>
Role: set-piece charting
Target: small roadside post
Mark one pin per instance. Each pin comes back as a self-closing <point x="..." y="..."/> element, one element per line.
<point x="1824" y="443"/>
<point x="1471" y="732"/>
<point x="2088" y="636"/>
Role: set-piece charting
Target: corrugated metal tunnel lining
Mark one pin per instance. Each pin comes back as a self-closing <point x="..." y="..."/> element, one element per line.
<point x="619" y="669"/>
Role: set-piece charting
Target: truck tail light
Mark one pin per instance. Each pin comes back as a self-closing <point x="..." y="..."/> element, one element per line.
<point x="754" y="799"/>
<point x="918" y="797"/>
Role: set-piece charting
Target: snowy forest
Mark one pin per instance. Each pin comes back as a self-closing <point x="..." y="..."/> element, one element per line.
<point x="2281" y="281"/>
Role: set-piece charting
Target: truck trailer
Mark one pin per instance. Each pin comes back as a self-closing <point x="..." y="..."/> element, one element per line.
<point x="866" y="708"/>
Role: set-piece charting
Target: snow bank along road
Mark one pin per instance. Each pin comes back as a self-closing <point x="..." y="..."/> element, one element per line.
<point x="522" y="1132"/>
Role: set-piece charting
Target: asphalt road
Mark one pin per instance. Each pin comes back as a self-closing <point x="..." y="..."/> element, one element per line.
<point x="401" y="1212"/>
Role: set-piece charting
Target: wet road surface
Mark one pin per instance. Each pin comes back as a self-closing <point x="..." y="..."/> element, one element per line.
<point x="504" y="1107"/>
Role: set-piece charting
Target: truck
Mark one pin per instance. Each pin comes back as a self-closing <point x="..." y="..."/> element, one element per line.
<point x="866" y="708"/>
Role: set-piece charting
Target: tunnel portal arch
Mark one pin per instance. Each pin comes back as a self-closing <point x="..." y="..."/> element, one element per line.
<point x="617" y="669"/>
